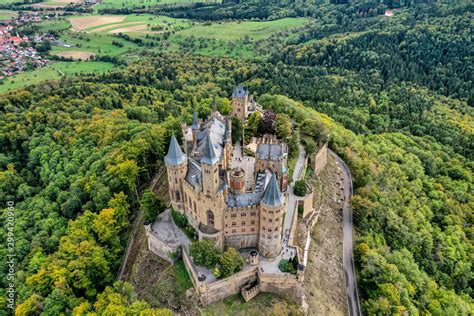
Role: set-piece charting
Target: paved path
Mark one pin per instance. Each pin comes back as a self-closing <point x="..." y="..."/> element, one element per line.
<point x="347" y="245"/>
<point x="270" y="265"/>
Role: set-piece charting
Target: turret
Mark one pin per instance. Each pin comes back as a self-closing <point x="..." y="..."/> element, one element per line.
<point x="177" y="167"/>
<point x="195" y="125"/>
<point x="210" y="168"/>
<point x="271" y="216"/>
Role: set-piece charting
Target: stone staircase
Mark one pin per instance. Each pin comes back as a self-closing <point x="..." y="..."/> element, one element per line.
<point x="249" y="293"/>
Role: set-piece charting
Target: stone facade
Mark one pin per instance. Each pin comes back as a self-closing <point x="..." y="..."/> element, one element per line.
<point x="320" y="159"/>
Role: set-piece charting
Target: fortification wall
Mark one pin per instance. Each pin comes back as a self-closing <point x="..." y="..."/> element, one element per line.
<point x="320" y="159"/>
<point x="229" y="286"/>
<point x="160" y="248"/>
<point x="285" y="285"/>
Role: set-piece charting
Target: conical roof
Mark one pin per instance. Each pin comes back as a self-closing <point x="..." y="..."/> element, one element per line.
<point x="210" y="156"/>
<point x="175" y="155"/>
<point x="272" y="195"/>
<point x="195" y="120"/>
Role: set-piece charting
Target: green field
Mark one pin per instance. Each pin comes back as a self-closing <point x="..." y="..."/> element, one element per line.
<point x="5" y="14"/>
<point x="54" y="71"/>
<point x="131" y="4"/>
<point x="233" y="31"/>
<point x="166" y="23"/>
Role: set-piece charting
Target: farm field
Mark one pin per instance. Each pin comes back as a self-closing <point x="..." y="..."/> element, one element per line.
<point x="5" y="14"/>
<point x="133" y="4"/>
<point x="140" y="23"/>
<point x="54" y="71"/>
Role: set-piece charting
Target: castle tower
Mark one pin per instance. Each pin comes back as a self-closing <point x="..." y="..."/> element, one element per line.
<point x="271" y="216"/>
<point x="240" y="99"/>
<point x="195" y="126"/>
<point x="176" y="167"/>
<point x="210" y="169"/>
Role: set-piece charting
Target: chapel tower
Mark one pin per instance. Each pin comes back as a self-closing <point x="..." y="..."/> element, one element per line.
<point x="210" y="169"/>
<point x="240" y="99"/>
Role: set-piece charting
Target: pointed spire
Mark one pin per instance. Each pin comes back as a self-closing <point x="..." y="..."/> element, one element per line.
<point x="195" y="120"/>
<point x="239" y="91"/>
<point x="210" y="156"/>
<point x="214" y="105"/>
<point x="272" y="195"/>
<point x="175" y="155"/>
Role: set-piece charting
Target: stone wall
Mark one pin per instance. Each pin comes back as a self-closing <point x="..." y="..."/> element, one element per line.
<point x="221" y="289"/>
<point x="320" y="159"/>
<point x="160" y="248"/>
<point x="285" y="285"/>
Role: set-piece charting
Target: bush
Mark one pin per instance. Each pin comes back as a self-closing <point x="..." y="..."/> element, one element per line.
<point x="179" y="219"/>
<point x="300" y="188"/>
<point x="231" y="262"/>
<point x="151" y="206"/>
<point x="288" y="266"/>
<point x="204" y="253"/>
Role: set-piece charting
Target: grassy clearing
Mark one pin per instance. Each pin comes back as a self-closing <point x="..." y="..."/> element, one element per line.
<point x="99" y="44"/>
<point x="53" y="72"/>
<point x="133" y="4"/>
<point x="233" y="31"/>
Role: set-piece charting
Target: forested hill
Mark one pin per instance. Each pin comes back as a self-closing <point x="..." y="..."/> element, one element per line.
<point x="394" y="95"/>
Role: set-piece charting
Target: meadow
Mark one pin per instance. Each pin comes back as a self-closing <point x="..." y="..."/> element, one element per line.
<point x="233" y="31"/>
<point x="6" y="14"/>
<point x="52" y="72"/>
<point x="133" y="4"/>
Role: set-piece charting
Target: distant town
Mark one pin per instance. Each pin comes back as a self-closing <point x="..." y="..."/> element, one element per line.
<point x="19" y="53"/>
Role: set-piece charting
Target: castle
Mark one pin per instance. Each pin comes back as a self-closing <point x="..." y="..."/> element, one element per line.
<point x="234" y="200"/>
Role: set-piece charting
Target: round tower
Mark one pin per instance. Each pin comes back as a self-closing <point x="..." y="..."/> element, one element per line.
<point x="176" y="167"/>
<point x="237" y="181"/>
<point x="271" y="217"/>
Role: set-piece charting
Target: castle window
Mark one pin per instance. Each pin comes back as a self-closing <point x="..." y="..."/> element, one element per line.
<point x="252" y="229"/>
<point x="233" y="231"/>
<point x="178" y="198"/>
<point x="263" y="228"/>
<point x="243" y="230"/>
<point x="234" y="224"/>
<point x="210" y="218"/>
<point x="253" y="213"/>
<point x="276" y="236"/>
<point x="243" y="214"/>
<point x="243" y="223"/>
<point x="270" y="220"/>
<point x="195" y="209"/>
<point x="233" y="215"/>
<point x="276" y="228"/>
<point x="264" y="218"/>
<point x="269" y="237"/>
<point x="252" y="222"/>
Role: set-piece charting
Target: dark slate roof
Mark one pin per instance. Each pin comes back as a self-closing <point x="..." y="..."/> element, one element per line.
<point x="175" y="155"/>
<point x="193" y="177"/>
<point x="195" y="120"/>
<point x="243" y="200"/>
<point x="216" y="129"/>
<point x="272" y="195"/>
<point x="210" y="157"/>
<point x="269" y="151"/>
<point x="239" y="92"/>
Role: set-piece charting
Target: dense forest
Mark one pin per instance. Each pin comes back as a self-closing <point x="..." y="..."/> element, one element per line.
<point x="395" y="96"/>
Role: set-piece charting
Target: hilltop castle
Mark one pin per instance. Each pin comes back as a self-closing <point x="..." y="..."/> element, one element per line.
<point x="234" y="200"/>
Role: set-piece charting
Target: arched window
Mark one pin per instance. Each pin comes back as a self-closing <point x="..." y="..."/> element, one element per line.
<point x="210" y="218"/>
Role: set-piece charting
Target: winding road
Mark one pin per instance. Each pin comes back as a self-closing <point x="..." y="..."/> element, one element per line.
<point x="347" y="245"/>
